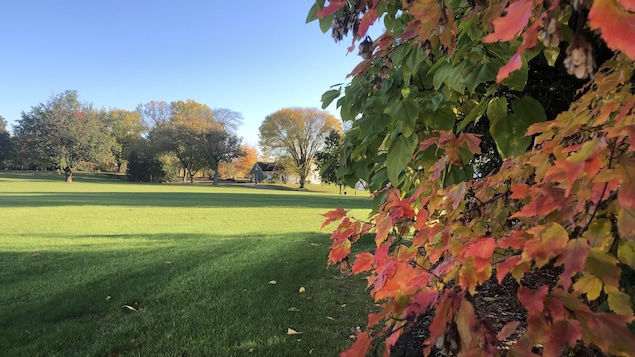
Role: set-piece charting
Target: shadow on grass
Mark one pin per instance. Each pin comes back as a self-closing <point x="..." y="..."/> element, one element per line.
<point x="183" y="199"/>
<point x="199" y="295"/>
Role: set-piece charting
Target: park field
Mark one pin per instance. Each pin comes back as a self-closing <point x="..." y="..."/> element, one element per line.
<point x="103" y="267"/>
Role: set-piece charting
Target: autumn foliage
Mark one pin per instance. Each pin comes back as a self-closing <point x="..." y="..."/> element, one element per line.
<point x="563" y="198"/>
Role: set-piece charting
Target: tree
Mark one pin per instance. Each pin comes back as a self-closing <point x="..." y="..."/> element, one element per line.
<point x="231" y="120"/>
<point x="218" y="147"/>
<point x="298" y="133"/>
<point x="154" y="113"/>
<point x="65" y="132"/>
<point x="126" y="127"/>
<point x="328" y="160"/>
<point x="446" y="89"/>
<point x="5" y="143"/>
<point x="183" y="134"/>
<point x="240" y="166"/>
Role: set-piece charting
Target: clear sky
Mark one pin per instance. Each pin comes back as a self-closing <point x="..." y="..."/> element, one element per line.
<point x="251" y="56"/>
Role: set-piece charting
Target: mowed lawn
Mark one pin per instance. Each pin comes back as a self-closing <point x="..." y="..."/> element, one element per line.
<point x="102" y="267"/>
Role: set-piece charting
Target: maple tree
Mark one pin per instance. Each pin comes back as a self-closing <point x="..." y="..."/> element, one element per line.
<point x="240" y="166"/>
<point x="449" y="86"/>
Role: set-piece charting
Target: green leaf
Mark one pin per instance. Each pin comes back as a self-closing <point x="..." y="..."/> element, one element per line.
<point x="329" y="96"/>
<point x="406" y="113"/>
<point x="474" y="115"/>
<point x="442" y="119"/>
<point x="312" y="15"/>
<point x="529" y="110"/>
<point x="399" y="155"/>
<point x="497" y="109"/>
<point x="509" y="135"/>
<point x="326" y="22"/>
<point x="481" y="74"/>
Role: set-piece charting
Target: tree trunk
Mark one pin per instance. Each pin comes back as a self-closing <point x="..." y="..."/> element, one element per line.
<point x="184" y="174"/>
<point x="68" y="172"/>
<point x="302" y="180"/>
<point x="215" y="177"/>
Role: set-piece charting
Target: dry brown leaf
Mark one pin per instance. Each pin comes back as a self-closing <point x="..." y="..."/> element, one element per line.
<point x="291" y="331"/>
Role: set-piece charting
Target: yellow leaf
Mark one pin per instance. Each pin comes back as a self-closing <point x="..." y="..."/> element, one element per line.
<point x="251" y="350"/>
<point x="331" y="318"/>
<point x="302" y="289"/>
<point x="131" y="308"/>
<point x="589" y="285"/>
<point x="108" y="298"/>
<point x="273" y="282"/>
<point x="293" y="309"/>
<point x="619" y="302"/>
<point x="626" y="253"/>
<point x="291" y="331"/>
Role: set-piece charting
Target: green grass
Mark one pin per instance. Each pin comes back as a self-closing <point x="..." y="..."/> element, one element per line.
<point x="194" y="261"/>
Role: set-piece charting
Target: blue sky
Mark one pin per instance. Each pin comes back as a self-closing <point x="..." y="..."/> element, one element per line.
<point x="253" y="57"/>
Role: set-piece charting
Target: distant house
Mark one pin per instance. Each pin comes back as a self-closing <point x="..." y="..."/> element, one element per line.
<point x="276" y="171"/>
<point x="264" y="171"/>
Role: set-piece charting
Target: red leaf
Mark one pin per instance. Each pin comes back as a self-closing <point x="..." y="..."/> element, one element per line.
<point x="363" y="262"/>
<point x="367" y="20"/>
<point x="608" y="331"/>
<point x="507" y="27"/>
<point x="573" y="257"/>
<point x="361" y="68"/>
<point x="519" y="191"/>
<point x="508" y="330"/>
<point x="503" y="268"/>
<point x="421" y="302"/>
<point x="533" y="299"/>
<point x="563" y="331"/>
<point x="617" y="24"/>
<point x="333" y="215"/>
<point x="472" y="141"/>
<point x="360" y="347"/>
<point x="514" y="64"/>
<point x="332" y="7"/>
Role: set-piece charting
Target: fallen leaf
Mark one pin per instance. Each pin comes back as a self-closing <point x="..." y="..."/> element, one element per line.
<point x="27" y="332"/>
<point x="168" y="262"/>
<point x="343" y="305"/>
<point x="291" y="331"/>
<point x="293" y="309"/>
<point x="131" y="308"/>
<point x="35" y="255"/>
<point x="314" y="244"/>
<point x="251" y="350"/>
<point x="331" y="318"/>
<point x="311" y="351"/>
<point x="273" y="282"/>
<point x="302" y="289"/>
<point x="108" y="298"/>
<point x="309" y="297"/>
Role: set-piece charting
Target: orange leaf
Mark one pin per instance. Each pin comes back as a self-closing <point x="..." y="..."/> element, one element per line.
<point x="360" y="347"/>
<point x="363" y="262"/>
<point x="507" y="27"/>
<point x="617" y="24"/>
<point x="472" y="141"/>
<point x="334" y="215"/>
<point x="339" y="251"/>
<point x="548" y="242"/>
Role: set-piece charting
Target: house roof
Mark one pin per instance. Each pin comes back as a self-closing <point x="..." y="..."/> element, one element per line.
<point x="267" y="166"/>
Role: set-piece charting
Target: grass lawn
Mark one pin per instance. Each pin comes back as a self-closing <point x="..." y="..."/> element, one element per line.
<point x="103" y="267"/>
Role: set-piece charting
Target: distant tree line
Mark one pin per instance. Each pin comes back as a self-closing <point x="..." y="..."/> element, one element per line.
<point x="157" y="142"/>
